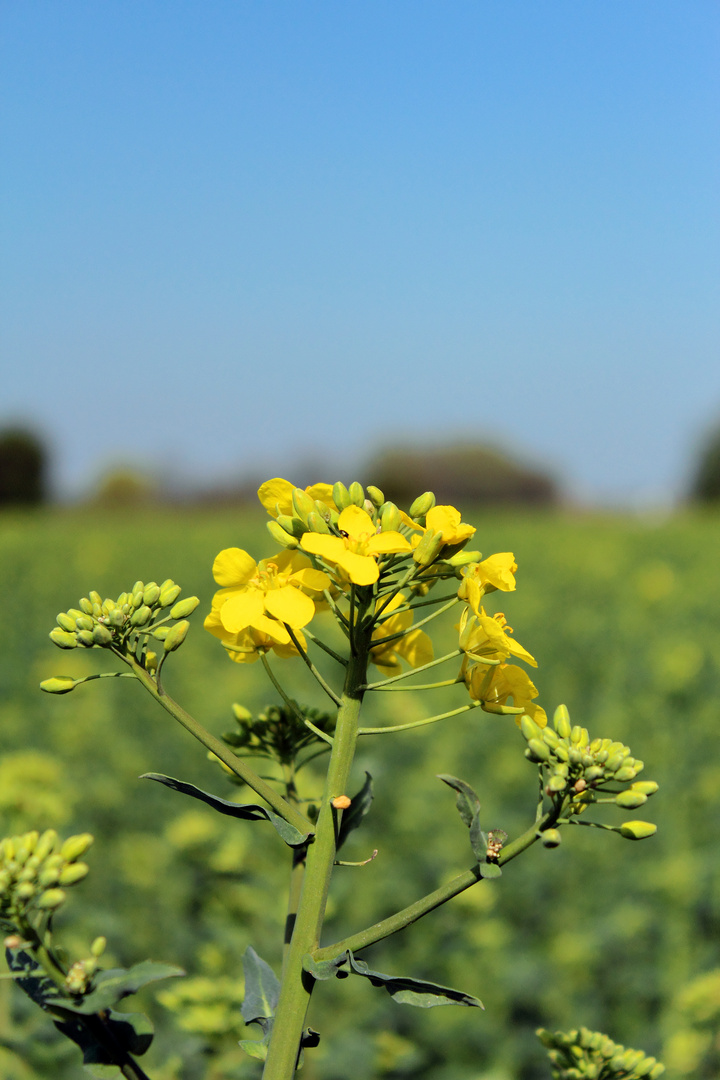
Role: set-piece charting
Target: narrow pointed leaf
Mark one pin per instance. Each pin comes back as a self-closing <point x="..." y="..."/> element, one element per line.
<point x="418" y="992"/>
<point x="467" y="802"/>
<point x="255" y="1048"/>
<point x="352" y="818"/>
<point x="262" y="988"/>
<point x="113" y="985"/>
<point x="248" y="811"/>
<point x="478" y="840"/>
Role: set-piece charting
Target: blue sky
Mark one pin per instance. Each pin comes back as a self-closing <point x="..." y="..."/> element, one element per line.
<point x="237" y="236"/>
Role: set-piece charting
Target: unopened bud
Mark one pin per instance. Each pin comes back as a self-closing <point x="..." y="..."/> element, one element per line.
<point x="341" y="495"/>
<point x="75" y="846"/>
<point x="73" y="873"/>
<point x="429" y="548"/>
<point x="356" y="493"/>
<point x="60" y="684"/>
<point x="646" y="787"/>
<point x="98" y="947"/>
<point x="529" y="728"/>
<point x="630" y="800"/>
<point x="64" y="639"/>
<point x="637" y="830"/>
<point x="280" y="536"/>
<point x="141" y="616"/>
<point x="151" y="593"/>
<point x="169" y="593"/>
<point x="45" y="844"/>
<point x="101" y="635"/>
<point x="375" y="495"/>
<point x="85" y="638"/>
<point x="185" y="607"/>
<point x="420" y="507"/>
<point x="65" y="622"/>
<point x="551" y="838"/>
<point x="292" y="525"/>
<point x="317" y="523"/>
<point x="464" y="558"/>
<point x="302" y="504"/>
<point x="176" y="636"/>
<point x="539" y="748"/>
<point x="51" y="899"/>
<point x="561" y="722"/>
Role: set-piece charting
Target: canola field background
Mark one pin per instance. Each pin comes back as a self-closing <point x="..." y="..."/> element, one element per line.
<point x="623" y="616"/>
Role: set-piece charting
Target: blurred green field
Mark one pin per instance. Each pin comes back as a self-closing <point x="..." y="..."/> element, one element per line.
<point x="622" y="615"/>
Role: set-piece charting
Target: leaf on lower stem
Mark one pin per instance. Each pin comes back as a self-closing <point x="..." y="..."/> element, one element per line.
<point x="404" y="989"/>
<point x="468" y="805"/>
<point x="359" y="806"/>
<point x="247" y="811"/>
<point x="262" y="990"/>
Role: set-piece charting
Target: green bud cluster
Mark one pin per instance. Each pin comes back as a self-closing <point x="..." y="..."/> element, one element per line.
<point x="35" y="870"/>
<point x="578" y="769"/>
<point x="590" y="1055"/>
<point x="144" y="612"/>
<point x="277" y="733"/>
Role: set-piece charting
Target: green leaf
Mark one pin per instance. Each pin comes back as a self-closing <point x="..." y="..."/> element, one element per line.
<point x="111" y="986"/>
<point x="249" y="811"/>
<point x="478" y="839"/>
<point x="403" y="989"/>
<point x="467" y="802"/>
<point x="262" y="989"/>
<point x="489" y="869"/>
<point x="38" y="986"/>
<point x="359" y="807"/>
<point x="323" y="969"/>
<point x="255" y="1048"/>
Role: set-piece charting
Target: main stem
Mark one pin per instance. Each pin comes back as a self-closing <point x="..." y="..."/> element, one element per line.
<point x="297" y="984"/>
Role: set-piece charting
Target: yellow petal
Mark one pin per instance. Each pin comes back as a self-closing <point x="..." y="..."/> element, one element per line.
<point x="416" y="647"/>
<point x="362" y="569"/>
<point x="499" y="570"/>
<point x="321" y="493"/>
<point x="330" y="548"/>
<point x="233" y="566"/>
<point x="314" y="580"/>
<point x="290" y="606"/>
<point x="388" y="543"/>
<point x="356" y="522"/>
<point x="242" y="610"/>
<point x="271" y="629"/>
<point x="276" y="496"/>
<point x="447" y="520"/>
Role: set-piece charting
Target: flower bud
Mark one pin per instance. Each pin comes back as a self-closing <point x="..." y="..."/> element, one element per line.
<point x="341" y="495"/>
<point x="185" y="607"/>
<point x="390" y="520"/>
<point x="176" y="636"/>
<point x="141" y="615"/>
<point x="356" y="493"/>
<point x="101" y="635"/>
<point x="302" y="504"/>
<point x="86" y="605"/>
<point x="280" y="536"/>
<point x="25" y="891"/>
<point x="85" y="638"/>
<point x="625" y="774"/>
<point x="551" y="737"/>
<point x="561" y="722"/>
<point x="637" y="830"/>
<point x="646" y="787"/>
<point x="64" y="639"/>
<point x="169" y="593"/>
<point x="51" y="899"/>
<point x="98" y="947"/>
<point x="429" y="548"/>
<point x="46" y="844"/>
<point x="73" y="873"/>
<point x="630" y="800"/>
<point x="539" y="749"/>
<point x="375" y="495"/>
<point x="116" y="618"/>
<point x="60" y="684"/>
<point x="420" y="507"/>
<point x="65" y="622"/>
<point x="557" y="783"/>
<point x="464" y="558"/>
<point x="292" y="525"/>
<point x="529" y="728"/>
<point x="151" y="594"/>
<point x="551" y="838"/>
<point x="75" y="846"/>
<point x="317" y="523"/>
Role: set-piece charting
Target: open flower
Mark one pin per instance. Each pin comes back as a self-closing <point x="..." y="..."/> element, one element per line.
<point x="489" y="636"/>
<point x="246" y="646"/>
<point x="254" y="594"/>
<point x="496" y="572"/>
<point x="357" y="549"/>
<point x="276" y="496"/>
<point x="447" y="520"/>
<point x="415" y="647"/>
<point x="494" y="687"/>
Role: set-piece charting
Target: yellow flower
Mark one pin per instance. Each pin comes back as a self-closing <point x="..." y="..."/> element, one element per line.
<point x="488" y="636"/>
<point x="447" y="520"/>
<point x="505" y="681"/>
<point x="246" y="646"/>
<point x="276" y="496"/>
<point x="357" y="548"/>
<point x="496" y="572"/>
<point x="255" y="594"/>
<point x="415" y="646"/>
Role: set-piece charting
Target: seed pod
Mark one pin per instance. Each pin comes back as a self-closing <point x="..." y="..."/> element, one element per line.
<point x="539" y="749"/>
<point x="151" y="594"/>
<point x="101" y="635"/>
<point x="85" y="638"/>
<point x="60" y="684"/>
<point x="375" y="495"/>
<point x="551" y="838"/>
<point x="637" y="830"/>
<point x="184" y="607"/>
<point x="176" y="636"/>
<point x="51" y="899"/>
<point x="422" y="505"/>
<point x="561" y="722"/>
<point x="75" y="846"/>
<point x="73" y="873"/>
<point x="280" y="536"/>
<point x="317" y="523"/>
<point x="65" y="622"/>
<point x="356" y="493"/>
<point x="630" y="800"/>
<point x="169" y="593"/>
<point x="64" y="639"/>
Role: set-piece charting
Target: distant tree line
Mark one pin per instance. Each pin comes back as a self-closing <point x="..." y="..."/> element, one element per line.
<point x="23" y="468"/>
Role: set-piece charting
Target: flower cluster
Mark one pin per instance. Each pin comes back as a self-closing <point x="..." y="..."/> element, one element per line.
<point x="579" y="771"/>
<point x="36" y="869"/>
<point x="123" y="625"/>
<point x="590" y="1055"/>
<point x="278" y="732"/>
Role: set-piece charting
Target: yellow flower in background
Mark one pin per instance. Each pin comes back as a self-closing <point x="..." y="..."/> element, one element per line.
<point x="496" y="572"/>
<point x="254" y="594"/>
<point x="356" y="551"/>
<point x="415" y="647"/>
<point x="246" y="646"/>
<point x="447" y="520"/>
<point x="488" y="636"/>
<point x="276" y="496"/>
<point x="504" y="682"/>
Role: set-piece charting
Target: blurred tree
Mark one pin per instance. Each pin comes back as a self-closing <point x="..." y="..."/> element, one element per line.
<point x="126" y="487"/>
<point x="463" y="472"/>
<point x="23" y="468"/>
<point x="705" y="486"/>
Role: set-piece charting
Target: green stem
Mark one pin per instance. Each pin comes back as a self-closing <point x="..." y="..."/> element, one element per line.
<point x="427" y="619"/>
<point x="382" y="683"/>
<point x="401" y="919"/>
<point x="297" y="985"/>
<point x="234" y="763"/>
<point x="311" y="667"/>
<point x="419" y="723"/>
<point x="291" y="704"/>
<point x="326" y="648"/>
<point x="419" y="686"/>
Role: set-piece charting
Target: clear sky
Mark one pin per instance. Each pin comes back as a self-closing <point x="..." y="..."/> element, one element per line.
<point x="238" y="234"/>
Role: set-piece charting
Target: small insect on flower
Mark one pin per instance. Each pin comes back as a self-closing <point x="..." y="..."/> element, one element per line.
<point x="496" y="839"/>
